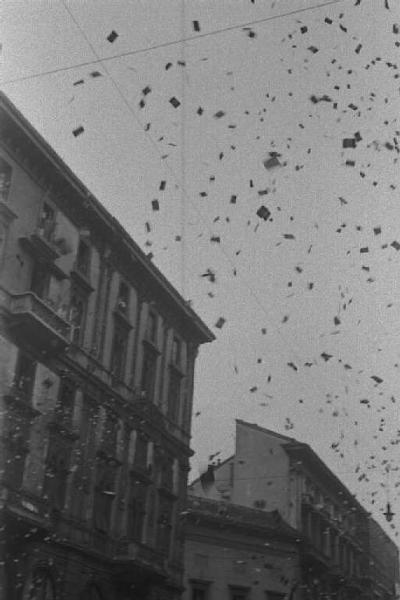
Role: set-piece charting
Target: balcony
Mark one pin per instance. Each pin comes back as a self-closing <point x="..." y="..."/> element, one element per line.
<point x="149" y="411"/>
<point x="40" y="244"/>
<point x="141" y="555"/>
<point x="38" y="321"/>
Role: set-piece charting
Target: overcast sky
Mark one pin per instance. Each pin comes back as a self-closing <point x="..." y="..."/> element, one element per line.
<point x="320" y="276"/>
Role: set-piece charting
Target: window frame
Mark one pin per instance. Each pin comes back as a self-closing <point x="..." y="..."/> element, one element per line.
<point x="83" y="266"/>
<point x="152" y="327"/>
<point x="239" y="592"/>
<point x="148" y="380"/>
<point x="46" y="226"/>
<point x="123" y="304"/>
<point x="202" y="585"/>
<point x="174" y="397"/>
<point x="83" y="298"/>
<point x="119" y="347"/>
<point x="6" y="176"/>
<point x="31" y="375"/>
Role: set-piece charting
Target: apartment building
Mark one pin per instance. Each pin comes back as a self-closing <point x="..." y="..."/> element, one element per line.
<point x="344" y="553"/>
<point x="97" y="357"/>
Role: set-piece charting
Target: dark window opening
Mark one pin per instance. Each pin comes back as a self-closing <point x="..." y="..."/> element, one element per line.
<point x="104" y="495"/>
<point x="41" y="586"/>
<point x="148" y="372"/>
<point x="199" y="591"/>
<point x="40" y="280"/>
<point x="151" y="330"/>
<point x="136" y="510"/>
<point x="77" y="315"/>
<point x="167" y="473"/>
<point x="174" y="395"/>
<point x="5" y="179"/>
<point x="57" y="468"/>
<point x="140" y="456"/>
<point x="123" y="298"/>
<point x="83" y="258"/>
<point x="65" y="405"/>
<point x="24" y="377"/>
<point x="238" y="593"/>
<point x="110" y="433"/>
<point x="165" y="524"/>
<point x="47" y="222"/>
<point x="119" y="351"/>
<point x="176" y="351"/>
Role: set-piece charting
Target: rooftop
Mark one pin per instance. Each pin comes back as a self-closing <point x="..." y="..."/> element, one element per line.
<point x="35" y="144"/>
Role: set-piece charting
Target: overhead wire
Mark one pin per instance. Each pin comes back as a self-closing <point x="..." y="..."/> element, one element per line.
<point x="249" y="288"/>
<point x="191" y="38"/>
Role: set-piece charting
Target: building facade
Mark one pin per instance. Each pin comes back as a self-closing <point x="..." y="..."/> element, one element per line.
<point x="237" y="553"/>
<point x="97" y="356"/>
<point x="344" y="553"/>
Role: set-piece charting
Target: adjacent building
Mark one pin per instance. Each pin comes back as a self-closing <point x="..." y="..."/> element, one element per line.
<point x="237" y="553"/>
<point x="344" y="553"/>
<point x="97" y="356"/>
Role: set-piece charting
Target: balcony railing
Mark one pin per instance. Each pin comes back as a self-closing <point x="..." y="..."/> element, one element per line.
<point x="39" y="321"/>
<point x="129" y="550"/>
<point x="41" y="244"/>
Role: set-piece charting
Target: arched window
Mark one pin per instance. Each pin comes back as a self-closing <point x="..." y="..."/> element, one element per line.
<point x="41" y="586"/>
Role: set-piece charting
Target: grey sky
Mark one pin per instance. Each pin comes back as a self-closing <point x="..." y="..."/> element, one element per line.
<point x="262" y="79"/>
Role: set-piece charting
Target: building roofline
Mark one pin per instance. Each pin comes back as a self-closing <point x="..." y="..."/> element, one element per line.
<point x="302" y="449"/>
<point x="264" y="430"/>
<point x="240" y="516"/>
<point x="205" y="334"/>
<point x="292" y="445"/>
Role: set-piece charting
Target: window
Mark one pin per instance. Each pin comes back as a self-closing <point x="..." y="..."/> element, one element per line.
<point x="77" y="316"/>
<point x="167" y="473"/>
<point x="104" y="495"/>
<point x="123" y="298"/>
<point x="119" y="351"/>
<point x="5" y="179"/>
<point x="199" y="590"/>
<point x="41" y="586"/>
<point x="239" y="593"/>
<point x="151" y="330"/>
<point x="57" y="468"/>
<point x="25" y="371"/>
<point x="47" y="222"/>
<point x="136" y="509"/>
<point x="65" y="404"/>
<point x="148" y="372"/>
<point x="151" y="516"/>
<point x="83" y="258"/>
<point x="84" y="467"/>
<point x="174" y="394"/>
<point x="109" y="437"/>
<point x="91" y="593"/>
<point x="274" y="596"/>
<point x="176" y="351"/>
<point x="40" y="280"/>
<point x="166" y="506"/>
<point x="140" y="457"/>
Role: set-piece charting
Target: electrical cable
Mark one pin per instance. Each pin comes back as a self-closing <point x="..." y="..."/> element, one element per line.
<point x="164" y="45"/>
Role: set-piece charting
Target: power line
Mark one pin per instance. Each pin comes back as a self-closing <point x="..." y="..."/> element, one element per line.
<point x="101" y="60"/>
<point x="259" y="303"/>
